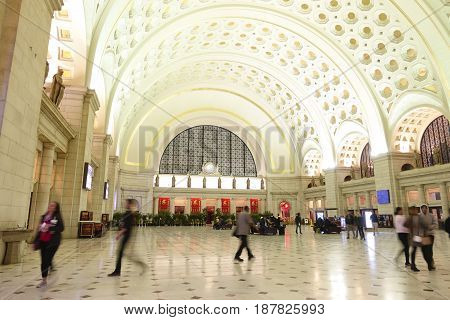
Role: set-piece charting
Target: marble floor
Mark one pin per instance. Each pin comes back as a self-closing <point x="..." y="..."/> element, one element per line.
<point x="196" y="263"/>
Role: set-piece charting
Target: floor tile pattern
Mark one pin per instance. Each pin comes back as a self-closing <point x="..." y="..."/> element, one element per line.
<point x="197" y="263"/>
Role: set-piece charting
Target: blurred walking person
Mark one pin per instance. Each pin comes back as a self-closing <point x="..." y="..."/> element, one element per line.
<point x="416" y="235"/>
<point x="350" y="225"/>
<point x="375" y="220"/>
<point x="447" y="226"/>
<point x="48" y="238"/>
<point x="360" y="224"/>
<point x="402" y="230"/>
<point x="243" y="224"/>
<point x="430" y="224"/>
<point x="298" y="223"/>
<point x="126" y="226"/>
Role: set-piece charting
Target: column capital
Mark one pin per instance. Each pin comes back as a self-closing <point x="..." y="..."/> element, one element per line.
<point x="114" y="159"/>
<point x="54" y="5"/>
<point x="108" y="140"/>
<point x="61" y="155"/>
<point x="91" y="98"/>
<point x="49" y="145"/>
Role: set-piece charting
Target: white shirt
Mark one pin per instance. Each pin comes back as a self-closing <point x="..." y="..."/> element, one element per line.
<point x="399" y="223"/>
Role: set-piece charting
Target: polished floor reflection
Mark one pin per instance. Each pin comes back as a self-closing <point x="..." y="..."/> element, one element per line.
<point x="196" y="263"/>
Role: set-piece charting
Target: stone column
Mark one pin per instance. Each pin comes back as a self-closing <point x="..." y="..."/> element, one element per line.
<point x="218" y="204"/>
<point x="45" y="181"/>
<point x="188" y="205"/>
<point x="100" y="149"/>
<point x="24" y="37"/>
<point x="356" y="202"/>
<point x="386" y="168"/>
<point x="149" y="205"/>
<point x="172" y="204"/>
<point x="404" y="199"/>
<point x="155" y="205"/>
<point x="345" y="203"/>
<point x="262" y="203"/>
<point x="58" y="186"/>
<point x="368" y="200"/>
<point x="113" y="178"/>
<point x="78" y="106"/>
<point x="323" y="202"/>
<point x="333" y="179"/>
<point x="421" y="192"/>
<point x="233" y="205"/>
<point x="444" y="200"/>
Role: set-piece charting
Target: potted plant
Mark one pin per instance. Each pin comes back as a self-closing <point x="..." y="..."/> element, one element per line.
<point x="233" y="218"/>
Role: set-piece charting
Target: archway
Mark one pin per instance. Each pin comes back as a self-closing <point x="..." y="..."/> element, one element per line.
<point x="435" y="143"/>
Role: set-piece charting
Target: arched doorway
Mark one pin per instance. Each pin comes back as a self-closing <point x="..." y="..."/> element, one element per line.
<point x="285" y="208"/>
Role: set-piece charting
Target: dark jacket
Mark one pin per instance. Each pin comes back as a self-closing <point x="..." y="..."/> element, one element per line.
<point x="350" y="219"/>
<point x="127" y="222"/>
<point x="360" y="221"/>
<point x="447" y="226"/>
<point x="374" y="218"/>
<point x="55" y="230"/>
<point x="298" y="220"/>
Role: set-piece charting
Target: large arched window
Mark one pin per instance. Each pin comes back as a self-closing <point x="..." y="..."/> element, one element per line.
<point x="366" y="163"/>
<point x="189" y="151"/>
<point x="435" y="143"/>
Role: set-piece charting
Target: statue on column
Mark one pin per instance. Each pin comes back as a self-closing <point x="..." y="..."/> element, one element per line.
<point x="248" y="183"/>
<point x="173" y="181"/>
<point x="313" y="182"/>
<point x="157" y="181"/>
<point x="352" y="173"/>
<point x="219" y="183"/>
<point x="417" y="159"/>
<point x="204" y="182"/>
<point x="321" y="180"/>
<point x="234" y="182"/>
<point x="189" y="182"/>
<point x="262" y="184"/>
<point x="58" y="88"/>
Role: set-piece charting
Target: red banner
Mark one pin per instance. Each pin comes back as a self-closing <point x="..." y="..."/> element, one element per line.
<point x="254" y="205"/>
<point x="226" y="206"/>
<point x="164" y="204"/>
<point x="196" y="205"/>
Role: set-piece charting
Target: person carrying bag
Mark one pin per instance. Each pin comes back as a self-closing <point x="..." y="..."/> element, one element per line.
<point x="48" y="238"/>
<point x="416" y="234"/>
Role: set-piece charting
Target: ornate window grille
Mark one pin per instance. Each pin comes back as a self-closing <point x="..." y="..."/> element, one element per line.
<point x="192" y="148"/>
<point x="435" y="143"/>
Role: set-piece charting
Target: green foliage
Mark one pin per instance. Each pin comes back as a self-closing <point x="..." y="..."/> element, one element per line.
<point x="267" y="214"/>
<point x="117" y="216"/>
<point x="256" y="217"/>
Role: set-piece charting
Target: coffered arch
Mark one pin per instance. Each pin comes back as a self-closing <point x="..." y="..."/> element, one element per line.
<point x="367" y="50"/>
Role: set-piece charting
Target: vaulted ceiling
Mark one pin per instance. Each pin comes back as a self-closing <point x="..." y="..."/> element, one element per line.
<point x="329" y="75"/>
